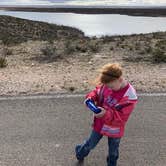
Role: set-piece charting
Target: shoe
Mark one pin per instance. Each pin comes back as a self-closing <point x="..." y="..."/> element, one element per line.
<point x="80" y="159"/>
<point x="107" y="158"/>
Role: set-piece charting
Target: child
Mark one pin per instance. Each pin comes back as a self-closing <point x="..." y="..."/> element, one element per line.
<point x="117" y="98"/>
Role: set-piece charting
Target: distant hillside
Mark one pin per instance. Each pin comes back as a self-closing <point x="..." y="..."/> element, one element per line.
<point x="127" y="10"/>
<point x="15" y="30"/>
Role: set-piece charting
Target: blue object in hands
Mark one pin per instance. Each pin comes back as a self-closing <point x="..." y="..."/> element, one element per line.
<point x="91" y="105"/>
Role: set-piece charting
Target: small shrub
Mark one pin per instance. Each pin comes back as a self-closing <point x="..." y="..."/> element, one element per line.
<point x="161" y="44"/>
<point x="137" y="46"/>
<point x="3" y="62"/>
<point x="94" y="46"/>
<point x="49" y="53"/>
<point x="141" y="52"/>
<point x="123" y="46"/>
<point x="122" y="38"/>
<point x="82" y="47"/>
<point x="107" y="39"/>
<point x="130" y="48"/>
<point x="118" y="43"/>
<point x="159" y="56"/>
<point x="48" y="50"/>
<point x="148" y="50"/>
<point x="111" y="48"/>
<point x="7" y="51"/>
<point x="157" y="35"/>
<point x="69" y="48"/>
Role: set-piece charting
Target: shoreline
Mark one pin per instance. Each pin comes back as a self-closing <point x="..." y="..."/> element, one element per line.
<point x="135" y="11"/>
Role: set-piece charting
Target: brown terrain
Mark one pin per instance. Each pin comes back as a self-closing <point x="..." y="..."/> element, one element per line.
<point x="37" y="57"/>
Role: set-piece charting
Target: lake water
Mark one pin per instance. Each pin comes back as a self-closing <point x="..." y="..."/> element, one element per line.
<point x="98" y="24"/>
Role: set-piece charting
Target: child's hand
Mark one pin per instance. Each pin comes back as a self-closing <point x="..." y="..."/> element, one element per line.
<point x="101" y="114"/>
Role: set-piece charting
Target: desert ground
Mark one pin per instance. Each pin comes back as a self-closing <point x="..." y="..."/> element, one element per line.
<point x="37" y="57"/>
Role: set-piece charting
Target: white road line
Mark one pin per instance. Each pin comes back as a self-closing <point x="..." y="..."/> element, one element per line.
<point x="55" y="96"/>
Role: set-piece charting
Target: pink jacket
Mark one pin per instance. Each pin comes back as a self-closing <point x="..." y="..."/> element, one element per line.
<point x="118" y="105"/>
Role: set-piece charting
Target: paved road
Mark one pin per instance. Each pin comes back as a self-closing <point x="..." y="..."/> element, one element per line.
<point x="44" y="132"/>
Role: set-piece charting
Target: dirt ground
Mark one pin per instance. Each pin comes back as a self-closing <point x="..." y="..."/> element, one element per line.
<point x="71" y="74"/>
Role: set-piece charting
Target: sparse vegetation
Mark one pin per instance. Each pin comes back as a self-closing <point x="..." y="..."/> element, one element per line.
<point x="130" y="48"/>
<point x="15" y="30"/>
<point x="94" y="46"/>
<point x="49" y="53"/>
<point x="3" y="62"/>
<point x="82" y="46"/>
<point x="49" y="50"/>
<point x="8" y="51"/>
<point x="159" y="52"/>
<point x="159" y="56"/>
<point x="107" y="39"/>
<point x="142" y="52"/>
<point x="148" y="50"/>
<point x="68" y="51"/>
<point x="111" y="48"/>
<point x="161" y="44"/>
<point x="69" y="48"/>
<point x="138" y="47"/>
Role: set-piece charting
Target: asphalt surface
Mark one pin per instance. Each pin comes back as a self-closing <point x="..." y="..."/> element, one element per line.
<point x="44" y="132"/>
